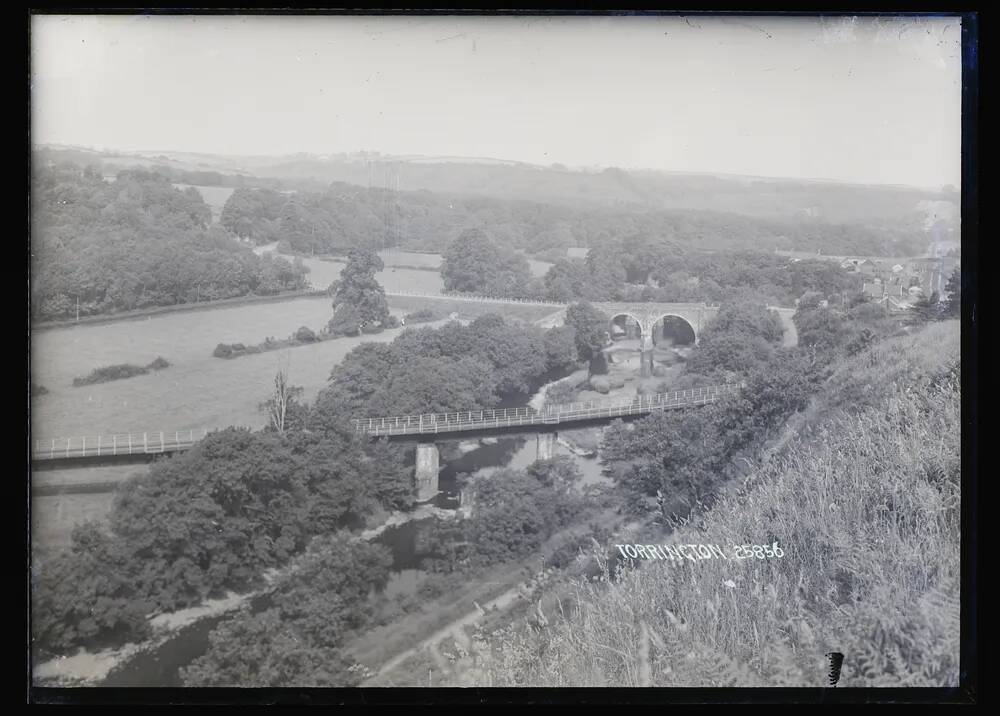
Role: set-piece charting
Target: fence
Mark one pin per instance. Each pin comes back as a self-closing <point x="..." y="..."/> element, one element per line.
<point x="147" y="443"/>
<point x="551" y="415"/>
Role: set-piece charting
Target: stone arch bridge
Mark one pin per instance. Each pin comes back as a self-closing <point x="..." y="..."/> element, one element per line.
<point x="647" y="315"/>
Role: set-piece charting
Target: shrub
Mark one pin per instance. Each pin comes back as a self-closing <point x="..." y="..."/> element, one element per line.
<point x="600" y="384"/>
<point x="38" y="389"/>
<point x="222" y="351"/>
<point x="424" y="315"/>
<point x="391" y="322"/>
<point x="616" y="381"/>
<point x="109" y="373"/>
<point x="305" y="335"/>
<point x="159" y="364"/>
<point x="659" y="371"/>
<point x="561" y="394"/>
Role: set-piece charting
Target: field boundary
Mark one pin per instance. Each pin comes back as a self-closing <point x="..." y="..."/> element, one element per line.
<point x="177" y="308"/>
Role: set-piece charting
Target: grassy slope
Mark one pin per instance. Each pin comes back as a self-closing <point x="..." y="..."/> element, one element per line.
<point x="865" y="504"/>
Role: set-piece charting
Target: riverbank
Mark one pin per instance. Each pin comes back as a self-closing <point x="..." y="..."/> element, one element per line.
<point x="86" y="668"/>
<point x="397" y="653"/>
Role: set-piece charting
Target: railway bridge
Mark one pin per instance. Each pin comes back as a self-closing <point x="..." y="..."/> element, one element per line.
<point x="426" y="430"/>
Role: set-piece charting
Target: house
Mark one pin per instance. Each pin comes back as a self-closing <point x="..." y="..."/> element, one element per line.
<point x="870" y="267"/>
<point x="932" y="272"/>
<point x="873" y="289"/>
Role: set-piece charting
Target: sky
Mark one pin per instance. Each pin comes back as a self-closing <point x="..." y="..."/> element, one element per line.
<point x="868" y="100"/>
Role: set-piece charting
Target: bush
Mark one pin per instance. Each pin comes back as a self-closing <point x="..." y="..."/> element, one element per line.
<point x="561" y="394"/>
<point x="424" y="315"/>
<point x="660" y="371"/>
<point x="111" y="372"/>
<point x="159" y="364"/>
<point x="391" y="322"/>
<point x="305" y="335"/>
<point x="601" y="384"/>
<point x="222" y="351"/>
<point x="616" y="381"/>
<point x="38" y="389"/>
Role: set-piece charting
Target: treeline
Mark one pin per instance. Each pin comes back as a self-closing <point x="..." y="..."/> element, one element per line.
<point x="137" y="242"/>
<point x="211" y="520"/>
<point x="347" y="216"/>
<point x="645" y="268"/>
<point x="642" y="269"/>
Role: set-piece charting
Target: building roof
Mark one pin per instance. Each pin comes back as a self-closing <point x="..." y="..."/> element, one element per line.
<point x="577" y="252"/>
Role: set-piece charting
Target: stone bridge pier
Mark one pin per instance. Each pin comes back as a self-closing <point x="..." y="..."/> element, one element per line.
<point x="545" y="446"/>
<point x="428" y="464"/>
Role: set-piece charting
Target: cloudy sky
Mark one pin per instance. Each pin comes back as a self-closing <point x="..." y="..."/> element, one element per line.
<point x="863" y="100"/>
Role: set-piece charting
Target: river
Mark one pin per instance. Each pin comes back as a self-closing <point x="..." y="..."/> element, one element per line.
<point x="461" y="461"/>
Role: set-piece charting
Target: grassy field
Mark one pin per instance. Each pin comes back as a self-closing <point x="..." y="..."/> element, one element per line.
<point x="468" y="309"/>
<point x="864" y="504"/>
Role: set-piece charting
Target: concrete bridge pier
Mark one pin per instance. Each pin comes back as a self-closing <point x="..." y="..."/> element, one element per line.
<point x="646" y="358"/>
<point x="427" y="466"/>
<point x="546" y="445"/>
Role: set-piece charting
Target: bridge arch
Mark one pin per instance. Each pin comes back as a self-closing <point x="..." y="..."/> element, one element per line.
<point x="674" y="327"/>
<point x="613" y="322"/>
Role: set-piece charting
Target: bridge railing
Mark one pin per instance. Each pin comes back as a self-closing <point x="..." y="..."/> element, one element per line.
<point x="478" y="298"/>
<point x="145" y="443"/>
<point x="444" y="422"/>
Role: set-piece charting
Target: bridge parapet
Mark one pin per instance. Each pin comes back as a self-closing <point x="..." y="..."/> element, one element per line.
<point x="114" y="445"/>
<point x="435" y="423"/>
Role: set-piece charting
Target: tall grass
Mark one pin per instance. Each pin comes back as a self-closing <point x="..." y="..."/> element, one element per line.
<point x="865" y="505"/>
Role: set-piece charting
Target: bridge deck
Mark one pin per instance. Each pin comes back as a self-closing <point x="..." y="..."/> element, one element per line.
<point x="63" y="450"/>
<point x="116" y="445"/>
<point x="431" y="424"/>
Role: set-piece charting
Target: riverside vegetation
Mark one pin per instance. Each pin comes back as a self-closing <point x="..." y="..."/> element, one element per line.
<point x="215" y="518"/>
<point x="858" y="499"/>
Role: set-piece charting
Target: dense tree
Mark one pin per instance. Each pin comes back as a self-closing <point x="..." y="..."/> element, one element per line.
<point x="211" y="520"/>
<point x="567" y="280"/>
<point x="607" y="271"/>
<point x="296" y="641"/>
<point x="473" y="263"/>
<point x="136" y="242"/>
<point x="591" y="328"/>
<point x="85" y="596"/>
<point x="953" y="290"/>
<point x="561" y="351"/>
<point x="253" y="214"/>
<point x="358" y="288"/>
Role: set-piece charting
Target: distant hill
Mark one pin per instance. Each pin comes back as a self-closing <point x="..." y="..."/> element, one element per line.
<point x="639" y="190"/>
